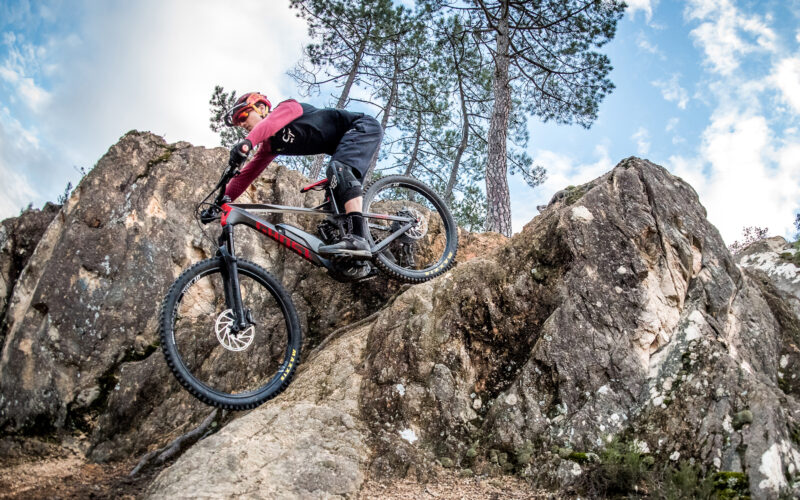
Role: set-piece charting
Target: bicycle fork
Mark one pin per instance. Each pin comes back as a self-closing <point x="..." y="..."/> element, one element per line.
<point x="230" y="277"/>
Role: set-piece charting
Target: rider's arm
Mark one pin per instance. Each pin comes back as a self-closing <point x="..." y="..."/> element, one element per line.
<point x="260" y="161"/>
<point x="283" y="114"/>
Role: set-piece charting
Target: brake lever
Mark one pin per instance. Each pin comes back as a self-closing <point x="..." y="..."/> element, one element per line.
<point x="210" y="214"/>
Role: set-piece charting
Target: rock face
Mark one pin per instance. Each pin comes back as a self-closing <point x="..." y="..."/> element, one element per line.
<point x="617" y="314"/>
<point x="18" y="239"/>
<point x="771" y="264"/>
<point x="81" y="325"/>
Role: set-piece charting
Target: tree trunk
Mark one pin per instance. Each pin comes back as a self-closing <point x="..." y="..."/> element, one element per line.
<point x="451" y="182"/>
<point x="385" y="120"/>
<point x="415" y="151"/>
<point x="498" y="200"/>
<point x="316" y="167"/>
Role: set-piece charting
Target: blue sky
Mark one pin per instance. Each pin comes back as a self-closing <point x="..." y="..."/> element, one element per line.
<point x="709" y="89"/>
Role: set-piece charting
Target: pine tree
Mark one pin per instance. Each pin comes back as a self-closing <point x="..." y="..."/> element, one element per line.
<point x="220" y="102"/>
<point x="543" y="58"/>
<point x="344" y="33"/>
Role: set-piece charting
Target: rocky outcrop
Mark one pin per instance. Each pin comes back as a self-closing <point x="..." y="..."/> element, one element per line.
<point x="82" y="321"/>
<point x="314" y="444"/>
<point x="618" y="313"/>
<point x="18" y="239"/>
<point x="772" y="264"/>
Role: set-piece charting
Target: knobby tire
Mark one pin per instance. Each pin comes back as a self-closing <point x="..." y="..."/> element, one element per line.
<point x="277" y="381"/>
<point x="384" y="260"/>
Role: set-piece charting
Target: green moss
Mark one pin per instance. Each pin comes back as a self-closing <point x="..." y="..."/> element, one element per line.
<point x="742" y="418"/>
<point x="538" y="275"/>
<point x="621" y="470"/>
<point x="524" y="452"/>
<point x="564" y="452"/>
<point x="730" y="485"/>
<point x="794" y="433"/>
<point x="523" y="459"/>
<point x="572" y="194"/>
<point x="578" y="456"/>
<point x="792" y="257"/>
<point x="446" y="462"/>
<point x="161" y="159"/>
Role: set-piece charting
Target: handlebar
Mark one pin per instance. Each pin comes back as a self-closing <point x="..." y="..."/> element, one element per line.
<point x="213" y="212"/>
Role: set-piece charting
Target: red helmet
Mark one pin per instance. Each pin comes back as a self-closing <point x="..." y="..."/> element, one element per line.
<point x="243" y="105"/>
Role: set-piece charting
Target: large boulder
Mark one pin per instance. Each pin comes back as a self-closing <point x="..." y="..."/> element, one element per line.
<point x="18" y="239"/>
<point x="617" y="314"/>
<point x="81" y="348"/>
<point x="772" y="264"/>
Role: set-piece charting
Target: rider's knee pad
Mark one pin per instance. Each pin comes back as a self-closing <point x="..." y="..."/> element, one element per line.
<point x="344" y="183"/>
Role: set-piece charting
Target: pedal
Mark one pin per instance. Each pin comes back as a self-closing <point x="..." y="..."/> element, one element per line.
<point x="340" y="257"/>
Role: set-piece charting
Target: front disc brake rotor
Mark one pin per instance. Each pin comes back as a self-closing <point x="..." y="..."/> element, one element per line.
<point x="232" y="341"/>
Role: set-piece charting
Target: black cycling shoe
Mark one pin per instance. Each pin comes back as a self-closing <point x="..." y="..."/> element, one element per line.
<point x="350" y="246"/>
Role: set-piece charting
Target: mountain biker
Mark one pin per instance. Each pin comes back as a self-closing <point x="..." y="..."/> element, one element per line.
<point x="294" y="128"/>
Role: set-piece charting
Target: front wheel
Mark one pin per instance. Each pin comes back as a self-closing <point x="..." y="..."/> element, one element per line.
<point x="221" y="367"/>
<point x="425" y="250"/>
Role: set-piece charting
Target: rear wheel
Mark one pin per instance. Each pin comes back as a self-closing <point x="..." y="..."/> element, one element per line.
<point x="425" y="250"/>
<point x="221" y="367"/>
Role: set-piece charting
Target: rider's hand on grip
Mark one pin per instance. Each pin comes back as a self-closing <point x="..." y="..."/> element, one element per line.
<point x="239" y="152"/>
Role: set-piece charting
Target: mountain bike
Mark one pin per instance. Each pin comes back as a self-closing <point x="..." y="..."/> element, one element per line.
<point x="229" y="330"/>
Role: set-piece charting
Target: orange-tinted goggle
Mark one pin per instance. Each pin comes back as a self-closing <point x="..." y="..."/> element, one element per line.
<point x="242" y="115"/>
<point x="240" y="112"/>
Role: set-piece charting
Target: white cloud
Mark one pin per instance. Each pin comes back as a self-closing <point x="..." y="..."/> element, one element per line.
<point x="19" y="70"/>
<point x="672" y="90"/>
<point x="166" y="57"/>
<point x="145" y="65"/>
<point x="747" y="169"/>
<point x="644" y="44"/>
<point x="726" y="34"/>
<point x="642" y="138"/>
<point x="671" y="124"/>
<point x="751" y="179"/>
<point x="562" y="171"/>
<point x="691" y="171"/>
<point x="645" y="6"/>
<point x="786" y="76"/>
<point x="18" y="146"/>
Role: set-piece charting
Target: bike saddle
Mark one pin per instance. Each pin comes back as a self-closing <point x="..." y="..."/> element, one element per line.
<point x="317" y="186"/>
